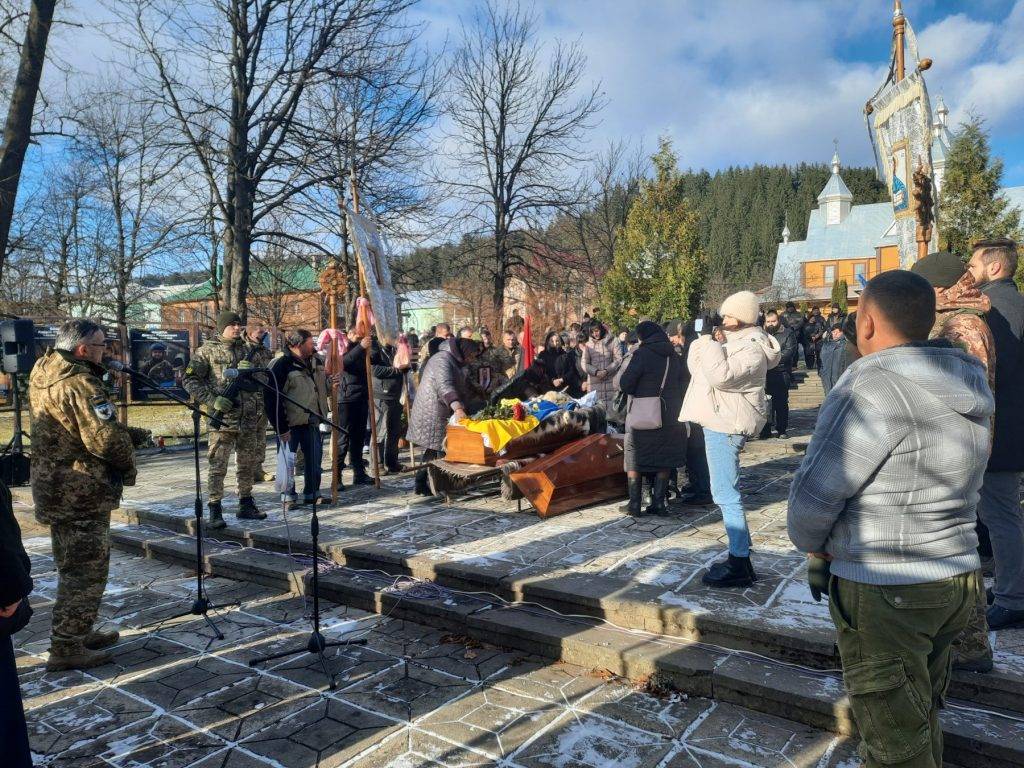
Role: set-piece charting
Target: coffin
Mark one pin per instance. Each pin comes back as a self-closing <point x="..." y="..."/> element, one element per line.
<point x="583" y="472"/>
<point x="466" y="447"/>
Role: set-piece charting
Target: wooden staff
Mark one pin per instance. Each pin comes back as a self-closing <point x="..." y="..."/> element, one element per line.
<point x="369" y="368"/>
<point x="332" y="303"/>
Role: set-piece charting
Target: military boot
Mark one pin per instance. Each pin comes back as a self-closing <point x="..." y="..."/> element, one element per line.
<point x="82" y="658"/>
<point x="216" y="517"/>
<point x="247" y="510"/>
<point x="97" y="640"/>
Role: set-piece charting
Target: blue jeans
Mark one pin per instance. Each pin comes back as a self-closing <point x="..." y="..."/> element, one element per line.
<point x="724" y="465"/>
<point x="1000" y="511"/>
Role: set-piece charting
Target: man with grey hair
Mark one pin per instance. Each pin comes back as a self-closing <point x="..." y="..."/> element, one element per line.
<point x="81" y="460"/>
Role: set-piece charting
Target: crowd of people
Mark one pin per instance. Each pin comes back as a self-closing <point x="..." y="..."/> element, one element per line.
<point x="908" y="493"/>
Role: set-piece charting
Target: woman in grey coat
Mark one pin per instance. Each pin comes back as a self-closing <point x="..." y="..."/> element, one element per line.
<point x="654" y="368"/>
<point x="441" y="393"/>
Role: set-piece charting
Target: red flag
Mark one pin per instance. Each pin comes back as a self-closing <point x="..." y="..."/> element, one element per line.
<point x="527" y="342"/>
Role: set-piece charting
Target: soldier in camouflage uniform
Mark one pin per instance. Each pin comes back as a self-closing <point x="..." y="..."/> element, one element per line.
<point x="960" y="311"/>
<point x="260" y="356"/>
<point x="158" y="367"/>
<point x="205" y="381"/>
<point x="81" y="460"/>
<point x="491" y="370"/>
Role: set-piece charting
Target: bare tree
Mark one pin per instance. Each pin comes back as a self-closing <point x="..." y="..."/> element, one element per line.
<point x="136" y="171"/>
<point x="519" y="126"/>
<point x="234" y="74"/>
<point x="18" y="127"/>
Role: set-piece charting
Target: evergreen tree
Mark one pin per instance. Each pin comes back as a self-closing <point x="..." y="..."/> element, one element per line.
<point x="659" y="267"/>
<point x="970" y="206"/>
<point x="839" y="291"/>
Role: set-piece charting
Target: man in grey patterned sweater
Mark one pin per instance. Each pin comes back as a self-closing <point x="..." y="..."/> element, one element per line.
<point x="888" y="492"/>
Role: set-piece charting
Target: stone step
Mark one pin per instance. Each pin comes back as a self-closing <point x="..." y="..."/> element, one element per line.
<point x="636" y="607"/>
<point x="974" y="738"/>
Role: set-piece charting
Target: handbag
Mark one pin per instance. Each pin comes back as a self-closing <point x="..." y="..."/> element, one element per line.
<point x="645" y="412"/>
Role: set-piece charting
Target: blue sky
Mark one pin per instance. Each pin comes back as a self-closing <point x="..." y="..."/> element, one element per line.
<point x="737" y="82"/>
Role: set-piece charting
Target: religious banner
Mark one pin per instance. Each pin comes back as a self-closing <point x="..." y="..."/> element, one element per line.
<point x="373" y="259"/>
<point x="899" y="124"/>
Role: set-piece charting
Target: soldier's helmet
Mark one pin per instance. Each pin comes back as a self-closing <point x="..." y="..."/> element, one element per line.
<point x="158" y="347"/>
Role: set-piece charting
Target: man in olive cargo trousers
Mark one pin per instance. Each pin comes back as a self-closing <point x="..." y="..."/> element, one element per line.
<point x="887" y="493"/>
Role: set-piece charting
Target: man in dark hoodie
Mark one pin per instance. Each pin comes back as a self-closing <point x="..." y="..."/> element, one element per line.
<point x="993" y="264"/>
<point x="887" y="493"/>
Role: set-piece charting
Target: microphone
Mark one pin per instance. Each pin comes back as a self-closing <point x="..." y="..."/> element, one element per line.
<point x="118" y="367"/>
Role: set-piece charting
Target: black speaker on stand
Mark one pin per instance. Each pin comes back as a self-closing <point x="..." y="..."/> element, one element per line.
<point x="18" y="338"/>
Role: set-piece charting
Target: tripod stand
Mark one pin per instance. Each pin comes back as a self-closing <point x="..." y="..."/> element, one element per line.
<point x="317" y="643"/>
<point x="202" y="605"/>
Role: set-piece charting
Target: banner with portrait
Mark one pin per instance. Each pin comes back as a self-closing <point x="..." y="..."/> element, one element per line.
<point x="899" y="125"/>
<point x="373" y="259"/>
<point x="162" y="356"/>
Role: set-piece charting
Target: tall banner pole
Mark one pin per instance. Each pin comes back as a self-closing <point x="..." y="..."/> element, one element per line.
<point x="369" y="368"/>
<point x="332" y="303"/>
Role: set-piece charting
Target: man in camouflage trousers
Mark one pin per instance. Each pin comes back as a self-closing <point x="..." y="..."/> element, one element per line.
<point x="960" y="311"/>
<point x="81" y="460"/>
<point x="205" y="381"/>
<point x="260" y="356"/>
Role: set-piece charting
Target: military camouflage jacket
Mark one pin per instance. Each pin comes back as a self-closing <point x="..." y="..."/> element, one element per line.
<point x="81" y="456"/>
<point x="204" y="380"/>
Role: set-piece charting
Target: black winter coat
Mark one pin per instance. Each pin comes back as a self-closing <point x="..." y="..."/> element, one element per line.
<point x="353" y="378"/>
<point x="1006" y="319"/>
<point x="15" y="582"/>
<point x="653" y="450"/>
<point x="387" y="380"/>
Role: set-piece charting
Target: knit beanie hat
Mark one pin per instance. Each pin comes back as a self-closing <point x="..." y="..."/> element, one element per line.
<point x="744" y="306"/>
<point x="226" y="318"/>
<point x="941" y="269"/>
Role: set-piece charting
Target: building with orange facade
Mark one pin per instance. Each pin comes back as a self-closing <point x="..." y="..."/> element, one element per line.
<point x="851" y="242"/>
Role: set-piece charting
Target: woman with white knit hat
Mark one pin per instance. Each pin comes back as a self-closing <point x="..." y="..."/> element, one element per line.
<point x="726" y="397"/>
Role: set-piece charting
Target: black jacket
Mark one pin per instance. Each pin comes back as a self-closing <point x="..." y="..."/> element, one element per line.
<point x="568" y="370"/>
<point x="15" y="582"/>
<point x="814" y="327"/>
<point x="353" y="379"/>
<point x="1006" y="319"/>
<point x="387" y="380"/>
<point x="663" y="448"/>
<point x="787" y="344"/>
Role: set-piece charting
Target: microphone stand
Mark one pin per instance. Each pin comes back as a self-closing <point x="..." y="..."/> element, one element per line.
<point x="317" y="643"/>
<point x="202" y="604"/>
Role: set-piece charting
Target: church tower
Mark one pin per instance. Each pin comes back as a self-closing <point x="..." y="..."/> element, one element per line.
<point x="835" y="199"/>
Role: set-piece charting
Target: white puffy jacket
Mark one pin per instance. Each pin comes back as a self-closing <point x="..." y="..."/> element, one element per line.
<point x="726" y="392"/>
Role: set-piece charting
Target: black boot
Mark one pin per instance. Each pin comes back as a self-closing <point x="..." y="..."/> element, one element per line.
<point x="216" y="517"/>
<point x="733" y="572"/>
<point x="658" y="491"/>
<point x="632" y="507"/>
<point x="247" y="510"/>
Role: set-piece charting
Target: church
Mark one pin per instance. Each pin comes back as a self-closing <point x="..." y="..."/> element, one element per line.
<point x="849" y="242"/>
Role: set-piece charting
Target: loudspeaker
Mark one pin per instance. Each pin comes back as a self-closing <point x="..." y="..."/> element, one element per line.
<point x="19" y="340"/>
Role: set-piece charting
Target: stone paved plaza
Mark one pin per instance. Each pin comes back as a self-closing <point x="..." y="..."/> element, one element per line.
<point x="432" y="696"/>
<point x="174" y="696"/>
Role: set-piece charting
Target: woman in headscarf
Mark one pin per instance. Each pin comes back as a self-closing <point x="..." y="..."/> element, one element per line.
<point x="654" y="370"/>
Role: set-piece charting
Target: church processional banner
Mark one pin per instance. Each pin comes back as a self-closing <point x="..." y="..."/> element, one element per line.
<point x="372" y="257"/>
<point x="899" y="123"/>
